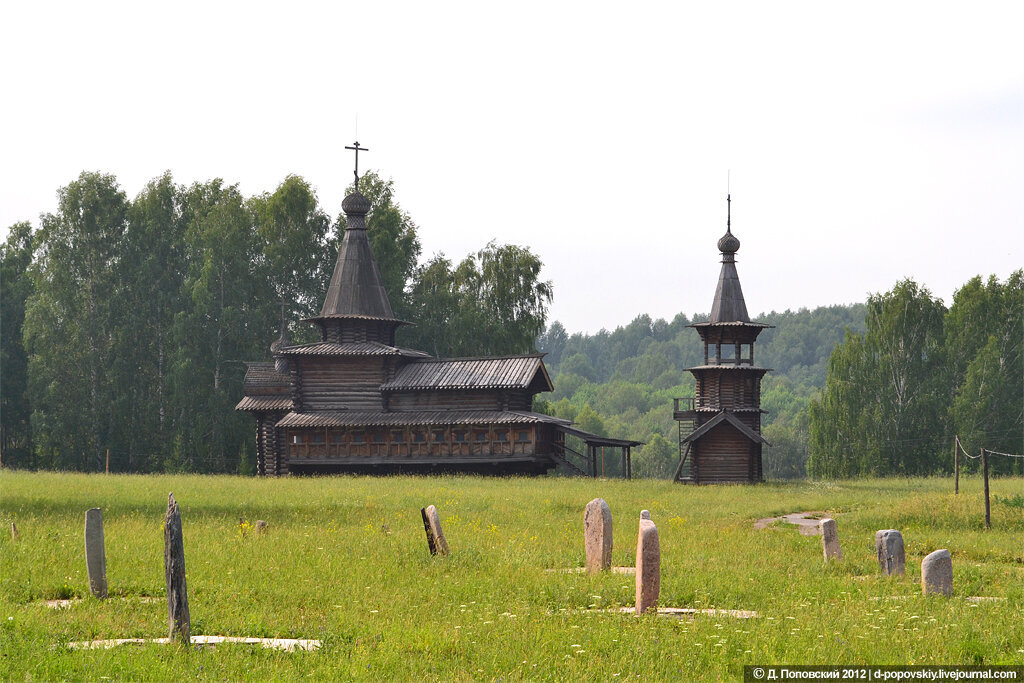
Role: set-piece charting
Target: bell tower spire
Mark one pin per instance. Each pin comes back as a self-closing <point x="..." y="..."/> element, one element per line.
<point x="729" y="305"/>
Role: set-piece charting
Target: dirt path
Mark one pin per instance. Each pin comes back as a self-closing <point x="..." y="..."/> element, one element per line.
<point x="807" y="522"/>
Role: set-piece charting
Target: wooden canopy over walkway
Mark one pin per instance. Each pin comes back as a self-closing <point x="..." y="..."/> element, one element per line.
<point x="583" y="459"/>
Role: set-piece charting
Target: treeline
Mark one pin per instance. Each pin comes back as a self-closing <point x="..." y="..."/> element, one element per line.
<point x="919" y="373"/>
<point x="621" y="383"/>
<point x="126" y="321"/>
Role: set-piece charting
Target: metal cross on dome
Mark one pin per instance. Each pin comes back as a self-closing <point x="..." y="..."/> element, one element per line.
<point x="357" y="149"/>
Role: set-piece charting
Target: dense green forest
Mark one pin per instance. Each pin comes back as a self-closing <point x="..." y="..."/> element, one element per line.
<point x="920" y="373"/>
<point x="126" y="322"/>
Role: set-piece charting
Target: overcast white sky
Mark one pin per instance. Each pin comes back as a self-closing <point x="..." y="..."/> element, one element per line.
<point x="867" y="142"/>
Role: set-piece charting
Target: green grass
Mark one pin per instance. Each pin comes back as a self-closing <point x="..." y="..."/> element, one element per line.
<point x="386" y="609"/>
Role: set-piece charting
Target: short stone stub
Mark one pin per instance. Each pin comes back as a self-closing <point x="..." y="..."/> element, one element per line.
<point x="95" y="553"/>
<point x="889" y="548"/>
<point x="597" y="535"/>
<point x="648" y="567"/>
<point x="937" y="573"/>
<point x="830" y="540"/>
<point x="435" y="535"/>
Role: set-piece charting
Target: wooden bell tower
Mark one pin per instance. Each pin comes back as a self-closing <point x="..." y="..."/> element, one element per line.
<point x="720" y="427"/>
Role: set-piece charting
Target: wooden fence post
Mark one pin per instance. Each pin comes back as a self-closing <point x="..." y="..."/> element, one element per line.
<point x="431" y="545"/>
<point x="174" y="570"/>
<point x="956" y="466"/>
<point x="988" y="510"/>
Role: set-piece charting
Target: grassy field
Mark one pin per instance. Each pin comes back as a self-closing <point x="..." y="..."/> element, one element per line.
<point x="345" y="561"/>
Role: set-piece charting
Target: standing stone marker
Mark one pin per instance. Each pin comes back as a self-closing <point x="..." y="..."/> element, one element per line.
<point x="937" y="574"/>
<point x="95" y="553"/>
<point x="436" y="541"/>
<point x="174" y="571"/>
<point x="597" y="535"/>
<point x="889" y="547"/>
<point x="830" y="539"/>
<point x="648" y="567"/>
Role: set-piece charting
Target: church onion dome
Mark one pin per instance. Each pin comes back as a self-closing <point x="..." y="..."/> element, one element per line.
<point x="728" y="244"/>
<point x="355" y="205"/>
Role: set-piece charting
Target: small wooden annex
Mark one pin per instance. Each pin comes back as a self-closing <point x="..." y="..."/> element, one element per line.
<point x="353" y="401"/>
<point x="720" y="426"/>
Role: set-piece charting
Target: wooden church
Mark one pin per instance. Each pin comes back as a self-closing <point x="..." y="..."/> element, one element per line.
<point x="354" y="401"/>
<point x="720" y="427"/>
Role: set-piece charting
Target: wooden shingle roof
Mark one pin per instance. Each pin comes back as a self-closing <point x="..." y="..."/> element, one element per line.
<point x="510" y="372"/>
<point x="413" y="418"/>
<point x="731" y="366"/>
<point x="262" y="378"/>
<point x="735" y="323"/>
<point x="356" y="289"/>
<point x="258" y="404"/>
<point x="724" y="416"/>
<point x="367" y="348"/>
<point x="729" y="305"/>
